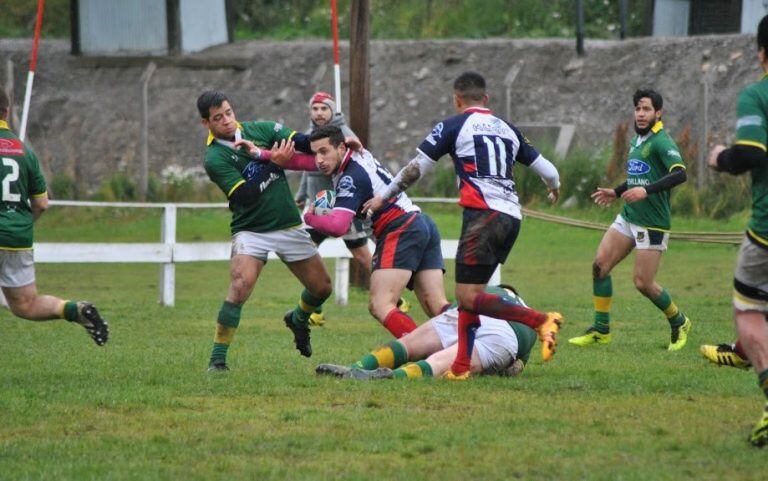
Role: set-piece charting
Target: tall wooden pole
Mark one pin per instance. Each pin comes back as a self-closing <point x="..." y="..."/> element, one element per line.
<point x="359" y="96"/>
<point x="359" y="75"/>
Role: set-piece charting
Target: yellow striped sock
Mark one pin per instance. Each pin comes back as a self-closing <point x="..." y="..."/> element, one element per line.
<point x="306" y="307"/>
<point x="602" y="304"/>
<point x="412" y="370"/>
<point x="385" y="356"/>
<point x="672" y="311"/>
<point x="224" y="334"/>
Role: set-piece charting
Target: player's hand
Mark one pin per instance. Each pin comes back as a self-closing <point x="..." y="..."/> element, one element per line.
<point x="353" y="143"/>
<point x="282" y="152"/>
<point x="603" y="196"/>
<point x="250" y="147"/>
<point x="554" y="195"/>
<point x="634" y="194"/>
<point x="712" y="158"/>
<point x="373" y="204"/>
<point x="300" y="204"/>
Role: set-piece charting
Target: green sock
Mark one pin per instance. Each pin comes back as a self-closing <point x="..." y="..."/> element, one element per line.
<point x="602" y="295"/>
<point x="762" y="380"/>
<point x="413" y="370"/>
<point x="665" y="304"/>
<point x="307" y="305"/>
<point x="70" y="311"/>
<point x="226" y="325"/>
<point x="392" y="355"/>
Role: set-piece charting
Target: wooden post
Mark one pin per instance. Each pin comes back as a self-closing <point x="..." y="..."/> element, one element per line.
<point x="580" y="27"/>
<point x="359" y="74"/>
<point x="359" y="96"/>
<point x="173" y="24"/>
<point x="167" y="284"/>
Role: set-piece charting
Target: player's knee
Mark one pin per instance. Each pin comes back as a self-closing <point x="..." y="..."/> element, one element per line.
<point x="598" y="272"/>
<point x="466" y="301"/>
<point x="643" y="285"/>
<point x="20" y="308"/>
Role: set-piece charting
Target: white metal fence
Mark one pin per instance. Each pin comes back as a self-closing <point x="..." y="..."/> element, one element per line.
<point x="168" y="252"/>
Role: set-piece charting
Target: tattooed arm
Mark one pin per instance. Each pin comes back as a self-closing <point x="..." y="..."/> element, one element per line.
<point x="407" y="176"/>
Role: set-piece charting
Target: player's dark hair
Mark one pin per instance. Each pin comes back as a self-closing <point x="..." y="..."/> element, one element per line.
<point x="4" y="102"/>
<point x="656" y="100"/>
<point x="208" y="99"/>
<point x="334" y="135"/>
<point x="762" y="34"/>
<point x="509" y="288"/>
<point x="470" y="86"/>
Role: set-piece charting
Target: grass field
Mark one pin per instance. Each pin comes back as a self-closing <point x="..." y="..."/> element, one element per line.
<point x="143" y="407"/>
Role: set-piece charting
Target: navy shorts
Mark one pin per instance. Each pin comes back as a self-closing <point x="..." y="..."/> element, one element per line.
<point x="410" y="242"/>
<point x="487" y="236"/>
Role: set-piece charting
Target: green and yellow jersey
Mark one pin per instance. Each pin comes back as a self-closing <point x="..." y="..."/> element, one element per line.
<point x="650" y="159"/>
<point x="752" y="129"/>
<point x="229" y="168"/>
<point x="21" y="180"/>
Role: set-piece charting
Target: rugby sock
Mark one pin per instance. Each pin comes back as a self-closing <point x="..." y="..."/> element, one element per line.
<point x="69" y="312"/>
<point x="398" y="323"/>
<point x="738" y="349"/>
<point x="226" y="325"/>
<point x="602" y="295"/>
<point x="664" y="302"/>
<point x="495" y="306"/>
<point x="413" y="370"/>
<point x="468" y="324"/>
<point x="762" y="380"/>
<point x="307" y="305"/>
<point x="392" y="355"/>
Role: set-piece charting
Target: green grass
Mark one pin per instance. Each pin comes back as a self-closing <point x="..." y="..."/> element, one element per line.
<point x="142" y="407"/>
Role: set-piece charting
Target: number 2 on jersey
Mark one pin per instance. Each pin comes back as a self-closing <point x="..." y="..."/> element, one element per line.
<point x="9" y="178"/>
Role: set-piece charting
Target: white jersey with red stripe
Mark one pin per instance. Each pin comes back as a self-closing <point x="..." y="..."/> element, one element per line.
<point x="484" y="149"/>
<point x="359" y="178"/>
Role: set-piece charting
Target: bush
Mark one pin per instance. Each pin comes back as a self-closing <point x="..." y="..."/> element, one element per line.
<point x="62" y="187"/>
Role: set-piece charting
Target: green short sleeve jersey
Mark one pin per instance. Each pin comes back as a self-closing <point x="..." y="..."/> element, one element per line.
<point x="21" y="180"/>
<point x="230" y="168"/>
<point x="752" y="129"/>
<point x="650" y="159"/>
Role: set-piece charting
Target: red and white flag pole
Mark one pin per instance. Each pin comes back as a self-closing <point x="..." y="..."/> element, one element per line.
<point x="31" y="74"/>
<point x="336" y="68"/>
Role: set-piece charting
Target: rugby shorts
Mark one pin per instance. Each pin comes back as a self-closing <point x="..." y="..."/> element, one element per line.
<point x="17" y="268"/>
<point x="291" y="245"/>
<point x="495" y="341"/>
<point x="750" y="281"/>
<point x="410" y="242"/>
<point x="645" y="238"/>
<point x="487" y="236"/>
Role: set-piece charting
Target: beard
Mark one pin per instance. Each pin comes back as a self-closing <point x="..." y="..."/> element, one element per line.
<point x="643" y="131"/>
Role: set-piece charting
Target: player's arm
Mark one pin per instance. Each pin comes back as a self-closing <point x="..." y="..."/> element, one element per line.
<point x="39" y="191"/>
<point x="737" y="159"/>
<point x="407" y="176"/>
<point x="549" y="174"/>
<point x="334" y="224"/>
<point x="39" y="204"/>
<point x="749" y="151"/>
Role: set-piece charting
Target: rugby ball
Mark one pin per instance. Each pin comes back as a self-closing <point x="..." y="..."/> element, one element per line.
<point x="324" y="201"/>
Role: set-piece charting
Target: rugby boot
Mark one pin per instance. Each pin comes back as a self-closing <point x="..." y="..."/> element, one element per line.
<point x="317" y="319"/>
<point x="679" y="336"/>
<point x="300" y="335"/>
<point x="548" y="334"/>
<point x="88" y="317"/>
<point x="332" y="370"/>
<point x="592" y="336"/>
<point x="370" y="375"/>
<point x="218" y="366"/>
<point x="450" y="376"/>
<point x="724" y="355"/>
<point x="759" y="435"/>
<point x="403" y="305"/>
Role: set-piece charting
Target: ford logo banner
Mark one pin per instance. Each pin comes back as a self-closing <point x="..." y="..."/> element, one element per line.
<point x="637" y="167"/>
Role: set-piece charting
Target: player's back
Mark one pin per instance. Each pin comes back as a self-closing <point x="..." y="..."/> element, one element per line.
<point x="21" y="179"/>
<point x="484" y="149"/>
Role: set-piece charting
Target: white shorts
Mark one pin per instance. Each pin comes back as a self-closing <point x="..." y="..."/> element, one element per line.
<point x="750" y="280"/>
<point x="495" y="341"/>
<point x="291" y="245"/>
<point x="645" y="238"/>
<point x="17" y="268"/>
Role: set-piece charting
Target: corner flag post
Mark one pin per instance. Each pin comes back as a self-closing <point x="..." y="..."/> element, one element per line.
<point x="336" y="68"/>
<point x="31" y="74"/>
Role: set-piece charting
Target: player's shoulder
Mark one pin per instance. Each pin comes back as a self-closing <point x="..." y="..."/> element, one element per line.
<point x="12" y="146"/>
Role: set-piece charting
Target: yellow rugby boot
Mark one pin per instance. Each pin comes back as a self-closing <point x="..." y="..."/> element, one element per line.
<point x="591" y="337"/>
<point x="548" y="334"/>
<point x="724" y="355"/>
<point x="759" y="435"/>
<point x="679" y="336"/>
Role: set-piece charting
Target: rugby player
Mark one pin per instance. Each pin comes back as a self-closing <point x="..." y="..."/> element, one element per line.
<point x="24" y="199"/>
<point x="264" y="216"/>
<point x="501" y="347"/>
<point x="750" y="281"/>
<point x="654" y="167"/>
<point x="408" y="252"/>
<point x="484" y="149"/>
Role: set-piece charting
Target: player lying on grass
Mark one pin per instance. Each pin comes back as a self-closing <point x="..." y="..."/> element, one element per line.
<point x="408" y="252"/>
<point x="264" y="217"/>
<point x="501" y="347"/>
<point x="24" y="199"/>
